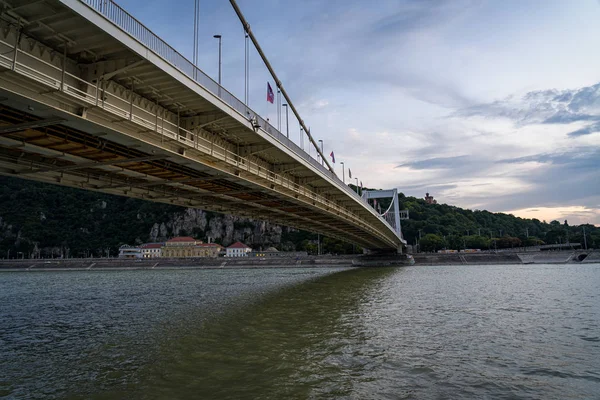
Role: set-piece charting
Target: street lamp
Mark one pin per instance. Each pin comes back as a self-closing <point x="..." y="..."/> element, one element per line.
<point x="343" y="173"/>
<point x="287" y="125"/>
<point x="357" y="186"/>
<point x="219" y="37"/>
<point x="320" y="141"/>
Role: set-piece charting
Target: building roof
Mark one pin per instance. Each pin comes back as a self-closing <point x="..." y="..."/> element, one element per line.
<point x="126" y="246"/>
<point x="209" y="245"/>
<point x="238" y="245"/>
<point x="181" y="239"/>
<point x="151" y="245"/>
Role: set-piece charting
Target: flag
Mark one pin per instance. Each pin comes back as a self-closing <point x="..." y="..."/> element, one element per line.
<point x="332" y="157"/>
<point x="349" y="173"/>
<point x="270" y="95"/>
<point x="361" y="186"/>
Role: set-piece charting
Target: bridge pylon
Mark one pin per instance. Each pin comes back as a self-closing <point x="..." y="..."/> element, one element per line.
<point x="392" y="213"/>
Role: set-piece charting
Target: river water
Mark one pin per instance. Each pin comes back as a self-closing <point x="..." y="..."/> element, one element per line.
<point x="501" y="332"/>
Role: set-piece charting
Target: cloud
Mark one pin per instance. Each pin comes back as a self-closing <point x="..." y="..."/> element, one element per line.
<point x="566" y="178"/>
<point x="437" y="163"/>
<point x="574" y="214"/>
<point x="577" y="158"/>
<point x="593" y="128"/>
<point x="545" y="107"/>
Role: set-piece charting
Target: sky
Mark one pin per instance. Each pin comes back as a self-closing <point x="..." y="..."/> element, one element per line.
<point x="486" y="105"/>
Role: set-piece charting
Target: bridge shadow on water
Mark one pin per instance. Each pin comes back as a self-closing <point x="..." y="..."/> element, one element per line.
<point x="295" y="342"/>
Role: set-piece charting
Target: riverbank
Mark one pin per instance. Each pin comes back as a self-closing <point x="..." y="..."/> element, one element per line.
<point x="78" y="264"/>
<point x="173" y="263"/>
<point x="550" y="257"/>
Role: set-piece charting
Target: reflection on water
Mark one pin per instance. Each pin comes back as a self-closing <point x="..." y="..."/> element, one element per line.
<point x="417" y="332"/>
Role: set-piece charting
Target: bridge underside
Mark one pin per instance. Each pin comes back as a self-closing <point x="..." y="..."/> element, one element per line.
<point x="80" y="108"/>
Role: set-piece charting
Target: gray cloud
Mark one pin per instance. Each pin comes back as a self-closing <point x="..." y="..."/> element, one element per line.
<point x="593" y="128"/>
<point x="365" y="51"/>
<point x="417" y="15"/>
<point x="422" y="188"/>
<point x="547" y="107"/>
<point x="568" y="178"/>
<point x="579" y="158"/>
<point x="437" y="163"/>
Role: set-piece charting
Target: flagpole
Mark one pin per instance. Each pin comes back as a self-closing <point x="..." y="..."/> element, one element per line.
<point x="287" y="121"/>
<point x="278" y="109"/>
<point x="343" y="173"/>
<point x="321" y="142"/>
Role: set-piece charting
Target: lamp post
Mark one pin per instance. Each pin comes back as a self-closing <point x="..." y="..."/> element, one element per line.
<point x="320" y="141"/>
<point x="343" y="174"/>
<point x="318" y="244"/>
<point x="357" y="186"/>
<point x="287" y="125"/>
<point x="219" y="37"/>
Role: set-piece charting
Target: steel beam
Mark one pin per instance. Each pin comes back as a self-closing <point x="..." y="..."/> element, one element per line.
<point x="91" y="165"/>
<point x="6" y="129"/>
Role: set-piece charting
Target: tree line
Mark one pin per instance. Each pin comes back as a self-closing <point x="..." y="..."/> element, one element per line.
<point x="44" y="220"/>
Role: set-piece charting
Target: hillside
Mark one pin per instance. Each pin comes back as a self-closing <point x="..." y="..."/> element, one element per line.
<point x="51" y="221"/>
<point x="445" y="226"/>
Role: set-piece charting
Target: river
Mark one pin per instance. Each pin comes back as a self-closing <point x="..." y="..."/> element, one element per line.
<point x="434" y="332"/>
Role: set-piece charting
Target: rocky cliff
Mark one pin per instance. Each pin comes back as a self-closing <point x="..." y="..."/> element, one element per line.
<point x="47" y="220"/>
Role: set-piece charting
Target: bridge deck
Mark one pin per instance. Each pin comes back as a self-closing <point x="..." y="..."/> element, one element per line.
<point x="85" y="104"/>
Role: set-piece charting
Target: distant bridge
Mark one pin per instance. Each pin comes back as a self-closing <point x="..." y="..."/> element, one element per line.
<point x="91" y="98"/>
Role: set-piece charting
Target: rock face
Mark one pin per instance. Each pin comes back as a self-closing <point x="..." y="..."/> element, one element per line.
<point x="224" y="229"/>
<point x="43" y="220"/>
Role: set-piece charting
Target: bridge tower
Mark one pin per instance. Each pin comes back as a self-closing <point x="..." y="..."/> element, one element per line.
<point x="392" y="215"/>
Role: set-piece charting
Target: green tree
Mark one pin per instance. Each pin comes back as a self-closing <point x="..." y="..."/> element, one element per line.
<point x="432" y="242"/>
<point x="476" y="242"/>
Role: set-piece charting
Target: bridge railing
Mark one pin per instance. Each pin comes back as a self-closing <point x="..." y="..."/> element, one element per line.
<point x="116" y="14"/>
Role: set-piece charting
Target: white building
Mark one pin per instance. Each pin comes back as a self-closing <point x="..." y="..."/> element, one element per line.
<point x="127" y="251"/>
<point x="238" y="249"/>
<point x="151" y="250"/>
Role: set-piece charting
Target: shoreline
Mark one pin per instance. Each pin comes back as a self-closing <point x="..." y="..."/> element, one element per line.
<point x="345" y="261"/>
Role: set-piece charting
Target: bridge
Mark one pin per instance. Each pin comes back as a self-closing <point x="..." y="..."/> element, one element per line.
<point x="91" y="98"/>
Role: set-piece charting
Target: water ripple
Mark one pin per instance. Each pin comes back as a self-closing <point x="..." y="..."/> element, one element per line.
<point x="502" y="332"/>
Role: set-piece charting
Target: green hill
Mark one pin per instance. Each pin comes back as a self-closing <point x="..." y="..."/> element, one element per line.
<point x="445" y="226"/>
<point x="43" y="220"/>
